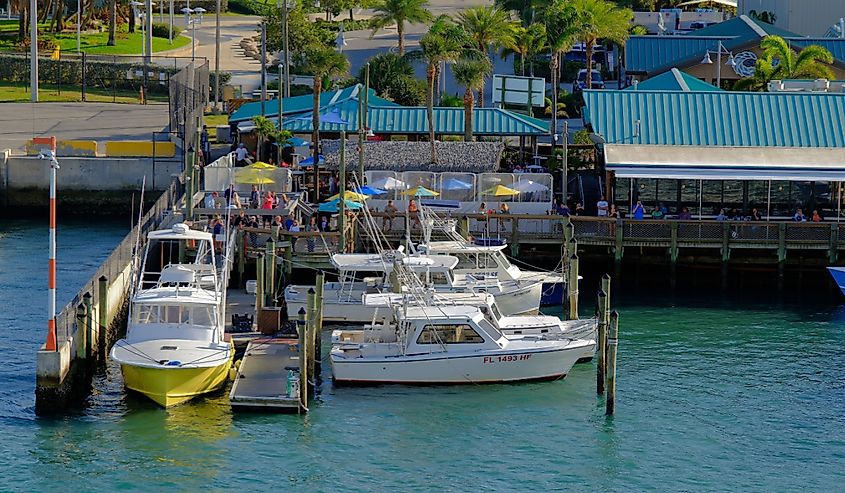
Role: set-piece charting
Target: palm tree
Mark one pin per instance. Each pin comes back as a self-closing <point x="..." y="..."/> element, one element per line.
<point x="561" y="30"/>
<point x="597" y="20"/>
<point x="527" y="10"/>
<point x="779" y="61"/>
<point x="112" y="21"/>
<point x="325" y="64"/>
<point x="470" y="73"/>
<point x="812" y="63"/>
<point x="487" y="27"/>
<point x="398" y="12"/>
<point x="444" y="42"/>
<point x="527" y="42"/>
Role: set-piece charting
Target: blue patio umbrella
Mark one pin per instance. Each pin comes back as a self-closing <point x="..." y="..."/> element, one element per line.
<point x="330" y="117"/>
<point x="332" y="206"/>
<point x="309" y="161"/>
<point x="297" y="142"/>
<point x="368" y="190"/>
<point x="456" y="184"/>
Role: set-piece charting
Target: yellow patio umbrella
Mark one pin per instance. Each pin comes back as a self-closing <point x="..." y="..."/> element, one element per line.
<point x="501" y="191"/>
<point x="253" y="177"/>
<point x="260" y="165"/>
<point x="349" y="195"/>
<point x="421" y="191"/>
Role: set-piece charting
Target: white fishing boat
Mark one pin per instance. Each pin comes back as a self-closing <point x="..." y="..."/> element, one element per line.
<point x="514" y="327"/>
<point x="485" y="258"/>
<point x="174" y="347"/>
<point x="361" y="274"/>
<point x="451" y="345"/>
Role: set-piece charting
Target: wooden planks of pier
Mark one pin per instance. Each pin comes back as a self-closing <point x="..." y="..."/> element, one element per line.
<point x="268" y="377"/>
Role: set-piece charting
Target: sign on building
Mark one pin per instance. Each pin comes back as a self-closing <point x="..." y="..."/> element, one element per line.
<point x="518" y="91"/>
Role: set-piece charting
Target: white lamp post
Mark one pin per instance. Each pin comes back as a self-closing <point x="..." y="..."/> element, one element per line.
<point x="78" y="25"/>
<point x="708" y="61"/>
<point x="190" y="22"/>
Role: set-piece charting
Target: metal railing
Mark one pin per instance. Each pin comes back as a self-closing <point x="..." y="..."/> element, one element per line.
<point x="118" y="260"/>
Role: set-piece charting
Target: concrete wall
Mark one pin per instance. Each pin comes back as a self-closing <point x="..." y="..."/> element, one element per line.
<point x="804" y="17"/>
<point x="89" y="173"/>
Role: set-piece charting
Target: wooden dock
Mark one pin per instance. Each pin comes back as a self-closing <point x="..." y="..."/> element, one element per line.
<point x="268" y="377"/>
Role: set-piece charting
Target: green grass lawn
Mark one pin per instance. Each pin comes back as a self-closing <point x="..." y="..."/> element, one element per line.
<point x="19" y="92"/>
<point x="95" y="43"/>
<point x="213" y="120"/>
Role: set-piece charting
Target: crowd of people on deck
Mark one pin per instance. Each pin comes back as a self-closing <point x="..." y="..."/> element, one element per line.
<point x="660" y="211"/>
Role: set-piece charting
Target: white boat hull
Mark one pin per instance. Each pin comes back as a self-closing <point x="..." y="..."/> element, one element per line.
<point x="489" y="366"/>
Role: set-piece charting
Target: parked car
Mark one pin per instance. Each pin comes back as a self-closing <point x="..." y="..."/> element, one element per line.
<point x="580" y="81"/>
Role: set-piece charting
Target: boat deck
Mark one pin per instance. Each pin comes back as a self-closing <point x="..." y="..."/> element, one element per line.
<point x="239" y="302"/>
<point x="261" y="381"/>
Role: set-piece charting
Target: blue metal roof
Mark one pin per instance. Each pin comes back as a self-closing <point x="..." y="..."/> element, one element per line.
<point x="650" y="54"/>
<point x="300" y="104"/>
<point x="673" y="80"/>
<point x="406" y="120"/>
<point x="717" y="118"/>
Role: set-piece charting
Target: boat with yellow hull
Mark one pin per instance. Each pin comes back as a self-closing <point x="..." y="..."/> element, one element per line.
<point x="171" y="384"/>
<point x="174" y="349"/>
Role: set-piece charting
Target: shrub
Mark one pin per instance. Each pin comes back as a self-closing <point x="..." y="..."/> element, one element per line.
<point x="161" y="30"/>
<point x="452" y="101"/>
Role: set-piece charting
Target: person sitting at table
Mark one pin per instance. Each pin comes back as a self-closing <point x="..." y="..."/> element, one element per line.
<point x="816" y="218"/>
<point x="755" y="215"/>
<point x="684" y="215"/>
<point x="657" y="213"/>
<point x="721" y="216"/>
<point x="799" y="216"/>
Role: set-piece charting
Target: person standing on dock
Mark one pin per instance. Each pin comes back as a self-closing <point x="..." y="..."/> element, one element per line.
<point x="390" y="211"/>
<point x="638" y="211"/>
<point x="602" y="207"/>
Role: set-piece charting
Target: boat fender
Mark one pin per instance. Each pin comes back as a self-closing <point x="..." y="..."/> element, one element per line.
<point x="172" y="363"/>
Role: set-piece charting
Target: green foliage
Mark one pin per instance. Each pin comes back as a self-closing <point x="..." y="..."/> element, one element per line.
<point x="581" y="137"/>
<point x="392" y="77"/>
<point x="246" y="7"/>
<point x="812" y="63"/>
<point x="638" y="30"/>
<point x="527" y="43"/>
<point x="471" y="72"/>
<point x="763" y="16"/>
<point x="225" y="78"/>
<point x="398" y="12"/>
<point x="452" y="101"/>
<point x="161" y="30"/>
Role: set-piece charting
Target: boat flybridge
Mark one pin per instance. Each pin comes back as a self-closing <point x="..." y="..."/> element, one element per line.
<point x="451" y="345"/>
<point x="174" y="348"/>
<point x="343" y="301"/>
<point x="485" y="259"/>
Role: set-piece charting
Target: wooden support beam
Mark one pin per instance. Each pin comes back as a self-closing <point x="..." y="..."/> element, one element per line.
<point x="612" y="345"/>
<point x="833" y="250"/>
<point x="673" y="249"/>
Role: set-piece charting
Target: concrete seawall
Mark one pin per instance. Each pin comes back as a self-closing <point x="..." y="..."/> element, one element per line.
<point x="85" y="184"/>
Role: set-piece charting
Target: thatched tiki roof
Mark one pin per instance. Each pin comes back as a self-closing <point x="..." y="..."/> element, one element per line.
<point x="470" y="157"/>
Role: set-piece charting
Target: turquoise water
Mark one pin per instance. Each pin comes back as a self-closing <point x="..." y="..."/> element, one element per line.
<point x="713" y="396"/>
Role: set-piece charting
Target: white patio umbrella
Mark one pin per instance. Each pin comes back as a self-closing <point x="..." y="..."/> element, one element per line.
<point x="529" y="186"/>
<point x="389" y="183"/>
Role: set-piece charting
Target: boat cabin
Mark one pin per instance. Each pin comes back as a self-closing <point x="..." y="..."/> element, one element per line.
<point x="489" y="261"/>
<point x="174" y="313"/>
<point x="436" y="329"/>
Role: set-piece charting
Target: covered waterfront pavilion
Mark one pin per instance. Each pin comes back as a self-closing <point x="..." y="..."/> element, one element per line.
<point x="713" y="150"/>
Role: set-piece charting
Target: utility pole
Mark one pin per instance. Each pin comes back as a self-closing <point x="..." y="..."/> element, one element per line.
<point x="263" y="65"/>
<point x="217" y="60"/>
<point x="33" y="49"/>
<point x="363" y="109"/>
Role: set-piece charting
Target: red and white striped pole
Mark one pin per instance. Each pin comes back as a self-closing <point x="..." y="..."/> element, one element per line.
<point x="51" y="344"/>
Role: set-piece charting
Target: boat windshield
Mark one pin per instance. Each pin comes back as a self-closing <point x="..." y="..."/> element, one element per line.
<point x="174" y="314"/>
<point x="503" y="259"/>
<point x="449" y="334"/>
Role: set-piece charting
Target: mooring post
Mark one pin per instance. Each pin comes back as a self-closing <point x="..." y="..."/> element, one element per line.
<point x="572" y="281"/>
<point x="311" y="329"/>
<point x="241" y="256"/>
<point x="81" y="318"/>
<point x="318" y="344"/>
<point x="88" y="301"/>
<point x="515" y="236"/>
<point x="289" y="260"/>
<point x="612" y="344"/>
<point x="301" y="329"/>
<point x="259" y="284"/>
<point x="103" y="313"/>
<point x="601" y="370"/>
<point x="270" y="275"/>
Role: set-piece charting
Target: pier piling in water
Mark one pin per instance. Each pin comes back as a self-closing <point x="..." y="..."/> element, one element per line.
<point x="81" y="320"/>
<point x="572" y="284"/>
<point x="259" y="283"/>
<point x="270" y="276"/>
<point x="612" y="345"/>
<point x="311" y="329"/>
<point x="301" y="329"/>
<point x="600" y="343"/>
<point x="88" y="338"/>
<point x="102" y="315"/>
<point x="318" y="344"/>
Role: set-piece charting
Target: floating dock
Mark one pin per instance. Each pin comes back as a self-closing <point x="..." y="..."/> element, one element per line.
<point x="262" y="381"/>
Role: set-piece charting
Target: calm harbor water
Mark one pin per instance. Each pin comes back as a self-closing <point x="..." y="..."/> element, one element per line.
<point x="714" y="395"/>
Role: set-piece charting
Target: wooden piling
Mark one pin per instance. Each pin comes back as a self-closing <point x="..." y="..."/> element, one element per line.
<point x="318" y="344"/>
<point x="103" y="314"/>
<point x="601" y="370"/>
<point x="605" y="287"/>
<point x="88" y="301"/>
<point x="270" y="275"/>
<point x="241" y="256"/>
<point x="572" y="285"/>
<point x="288" y="268"/>
<point x="311" y="329"/>
<point x="259" y="284"/>
<point x="81" y="319"/>
<point x="612" y="345"/>
<point x="301" y="329"/>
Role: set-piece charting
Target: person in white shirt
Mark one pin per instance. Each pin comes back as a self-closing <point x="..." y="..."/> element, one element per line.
<point x="602" y="207"/>
<point x="241" y="154"/>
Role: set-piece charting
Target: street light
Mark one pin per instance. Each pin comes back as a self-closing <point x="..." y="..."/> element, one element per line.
<point x="190" y="22"/>
<point x="146" y="45"/>
<point x="217" y="59"/>
<point x="709" y="61"/>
